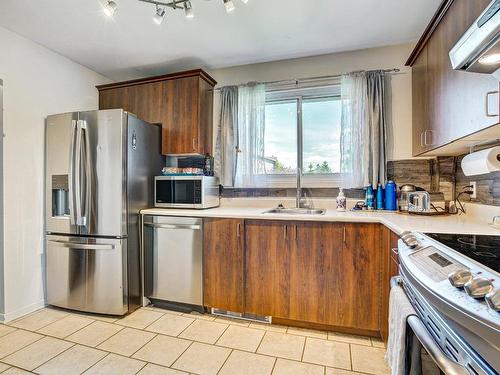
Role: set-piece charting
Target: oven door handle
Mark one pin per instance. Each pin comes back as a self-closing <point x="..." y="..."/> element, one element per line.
<point x="446" y="365"/>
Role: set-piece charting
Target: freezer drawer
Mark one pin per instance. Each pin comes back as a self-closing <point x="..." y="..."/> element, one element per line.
<point x="87" y="274"/>
<point x="173" y="259"/>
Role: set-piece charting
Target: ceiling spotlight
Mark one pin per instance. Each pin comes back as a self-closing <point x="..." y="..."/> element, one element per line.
<point x="229" y="5"/>
<point x="159" y="15"/>
<point x="492" y="59"/>
<point x="244" y="1"/>
<point x="188" y="9"/>
<point x="110" y="8"/>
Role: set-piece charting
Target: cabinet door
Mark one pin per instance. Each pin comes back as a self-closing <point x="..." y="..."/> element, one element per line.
<point x="267" y="280"/>
<point x="180" y="116"/>
<point x="313" y="254"/>
<point x="223" y="259"/>
<point x="420" y="100"/>
<point x="389" y="269"/>
<point x="358" y="282"/>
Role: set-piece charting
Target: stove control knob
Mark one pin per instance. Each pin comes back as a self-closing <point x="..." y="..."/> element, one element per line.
<point x="493" y="300"/>
<point x="460" y="277"/>
<point x="478" y="287"/>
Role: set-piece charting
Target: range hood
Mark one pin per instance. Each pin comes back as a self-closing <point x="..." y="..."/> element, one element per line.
<point x="478" y="50"/>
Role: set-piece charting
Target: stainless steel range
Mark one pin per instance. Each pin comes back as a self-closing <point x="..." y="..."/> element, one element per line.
<point x="452" y="281"/>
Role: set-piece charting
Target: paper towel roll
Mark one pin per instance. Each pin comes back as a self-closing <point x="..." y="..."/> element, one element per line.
<point x="482" y="162"/>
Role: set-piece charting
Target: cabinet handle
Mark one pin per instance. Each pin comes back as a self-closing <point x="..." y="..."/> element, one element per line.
<point x="488" y="94"/>
<point x="422" y="139"/>
<point x="395" y="250"/>
<point x="344" y="235"/>
<point x="284" y="232"/>
<point x="425" y="138"/>
<point x="194" y="144"/>
<point x="295" y="233"/>
<point x="238" y="230"/>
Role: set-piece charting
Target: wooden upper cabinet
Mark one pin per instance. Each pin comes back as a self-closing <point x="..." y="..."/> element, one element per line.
<point x="449" y="104"/>
<point x="356" y="302"/>
<point x="313" y="259"/>
<point x="267" y="278"/>
<point x="181" y="102"/>
<point x="223" y="263"/>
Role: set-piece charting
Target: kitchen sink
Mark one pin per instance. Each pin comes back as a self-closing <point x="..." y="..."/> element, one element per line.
<point x="296" y="211"/>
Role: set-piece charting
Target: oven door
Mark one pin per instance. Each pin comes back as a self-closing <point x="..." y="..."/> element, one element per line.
<point x="178" y="193"/>
<point x="424" y="356"/>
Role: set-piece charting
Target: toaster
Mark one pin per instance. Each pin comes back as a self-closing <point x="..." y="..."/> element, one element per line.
<point x="425" y="203"/>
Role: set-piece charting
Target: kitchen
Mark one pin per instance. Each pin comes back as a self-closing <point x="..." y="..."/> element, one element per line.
<point x="182" y="198"/>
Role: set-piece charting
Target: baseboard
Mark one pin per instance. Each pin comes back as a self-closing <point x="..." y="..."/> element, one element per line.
<point x="12" y="315"/>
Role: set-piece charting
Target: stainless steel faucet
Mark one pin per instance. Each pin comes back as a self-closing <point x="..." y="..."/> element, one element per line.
<point x="299" y="188"/>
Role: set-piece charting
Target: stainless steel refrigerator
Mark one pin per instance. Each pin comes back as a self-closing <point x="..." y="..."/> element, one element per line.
<point x="100" y="167"/>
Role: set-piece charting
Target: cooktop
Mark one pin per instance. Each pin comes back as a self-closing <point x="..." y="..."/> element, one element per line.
<point x="482" y="249"/>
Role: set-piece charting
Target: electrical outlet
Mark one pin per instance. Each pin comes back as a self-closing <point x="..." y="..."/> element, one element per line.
<point x="473" y="185"/>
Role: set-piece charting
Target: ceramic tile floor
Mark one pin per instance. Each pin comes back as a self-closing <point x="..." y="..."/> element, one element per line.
<point x="153" y="341"/>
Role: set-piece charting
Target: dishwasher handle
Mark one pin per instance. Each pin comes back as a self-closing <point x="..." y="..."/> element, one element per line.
<point x="81" y="246"/>
<point x="173" y="226"/>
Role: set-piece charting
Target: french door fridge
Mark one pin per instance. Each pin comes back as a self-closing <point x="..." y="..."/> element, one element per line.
<point x="100" y="167"/>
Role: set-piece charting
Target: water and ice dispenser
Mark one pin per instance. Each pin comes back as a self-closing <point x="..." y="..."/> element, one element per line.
<point x="60" y="195"/>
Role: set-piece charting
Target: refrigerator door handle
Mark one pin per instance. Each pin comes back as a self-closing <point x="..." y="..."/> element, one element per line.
<point x="71" y="184"/>
<point x="81" y="246"/>
<point x="78" y="188"/>
<point x="88" y="175"/>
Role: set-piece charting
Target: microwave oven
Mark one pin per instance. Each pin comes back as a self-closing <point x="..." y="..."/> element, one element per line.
<point x="186" y="192"/>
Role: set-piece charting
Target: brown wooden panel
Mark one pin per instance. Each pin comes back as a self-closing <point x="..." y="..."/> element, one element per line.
<point x="267" y="279"/>
<point x="205" y="110"/>
<point x="389" y="269"/>
<point x="312" y="259"/>
<point x="223" y="263"/>
<point x="420" y="98"/>
<point x="356" y="302"/>
<point x="179" y="114"/>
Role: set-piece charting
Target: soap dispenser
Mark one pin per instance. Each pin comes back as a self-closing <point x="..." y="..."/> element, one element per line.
<point x="341" y="201"/>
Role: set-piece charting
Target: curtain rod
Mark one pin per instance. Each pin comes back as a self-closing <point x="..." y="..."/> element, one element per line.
<point x="318" y="78"/>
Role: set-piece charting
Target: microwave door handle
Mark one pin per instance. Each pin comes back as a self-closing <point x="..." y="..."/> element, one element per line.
<point x="446" y="365"/>
<point x="71" y="173"/>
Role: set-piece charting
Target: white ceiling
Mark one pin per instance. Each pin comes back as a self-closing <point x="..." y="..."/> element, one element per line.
<point x="130" y="45"/>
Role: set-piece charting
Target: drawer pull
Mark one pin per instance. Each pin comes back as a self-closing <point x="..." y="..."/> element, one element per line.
<point x="488" y="94"/>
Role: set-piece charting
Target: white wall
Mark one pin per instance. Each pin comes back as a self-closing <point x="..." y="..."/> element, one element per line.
<point x="37" y="82"/>
<point x="374" y="58"/>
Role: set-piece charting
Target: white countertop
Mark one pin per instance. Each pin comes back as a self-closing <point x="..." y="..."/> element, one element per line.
<point x="474" y="222"/>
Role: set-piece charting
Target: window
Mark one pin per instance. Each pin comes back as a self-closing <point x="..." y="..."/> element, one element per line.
<point x="302" y="128"/>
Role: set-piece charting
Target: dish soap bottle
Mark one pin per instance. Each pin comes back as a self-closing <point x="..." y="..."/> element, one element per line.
<point x="341" y="201"/>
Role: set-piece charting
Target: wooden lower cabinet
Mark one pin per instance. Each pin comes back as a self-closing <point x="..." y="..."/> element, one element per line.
<point x="390" y="268"/>
<point x="331" y="275"/>
<point x="267" y="268"/>
<point x="313" y="259"/>
<point x="223" y="263"/>
<point x="356" y="291"/>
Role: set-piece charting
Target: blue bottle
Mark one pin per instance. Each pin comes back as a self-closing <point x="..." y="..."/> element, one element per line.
<point x="380" y="197"/>
<point x="391" y="195"/>
<point x="370" y="198"/>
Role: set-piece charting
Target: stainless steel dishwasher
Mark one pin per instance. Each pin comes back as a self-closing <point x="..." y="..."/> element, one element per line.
<point x="173" y="258"/>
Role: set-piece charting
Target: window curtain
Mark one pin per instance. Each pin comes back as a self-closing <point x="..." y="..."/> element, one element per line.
<point x="250" y="169"/>
<point x="226" y="149"/>
<point x="363" y="129"/>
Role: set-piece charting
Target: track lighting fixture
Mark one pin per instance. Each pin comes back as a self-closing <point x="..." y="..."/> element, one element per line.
<point x="229" y="5"/>
<point x="188" y="9"/>
<point x="110" y="8"/>
<point x="162" y="5"/>
<point x="159" y="15"/>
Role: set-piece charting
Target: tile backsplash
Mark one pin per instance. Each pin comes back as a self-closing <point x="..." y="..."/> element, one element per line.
<point x="438" y="174"/>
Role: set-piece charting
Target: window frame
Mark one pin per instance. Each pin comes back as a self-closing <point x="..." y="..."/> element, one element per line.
<point x="300" y="94"/>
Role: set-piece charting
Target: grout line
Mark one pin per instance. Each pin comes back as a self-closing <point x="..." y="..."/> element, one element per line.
<point x="260" y="343"/>
<point x="25" y="346"/>
<point x="303" y="350"/>
<point x="274" y="364"/>
<point x="180" y="355"/>
<point x="50" y="359"/>
<point x="57" y="337"/>
<point x="99" y="361"/>
<point x="145" y="364"/>
<point x="229" y="355"/>
<point x="147" y="342"/>
<point x="350" y="356"/>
